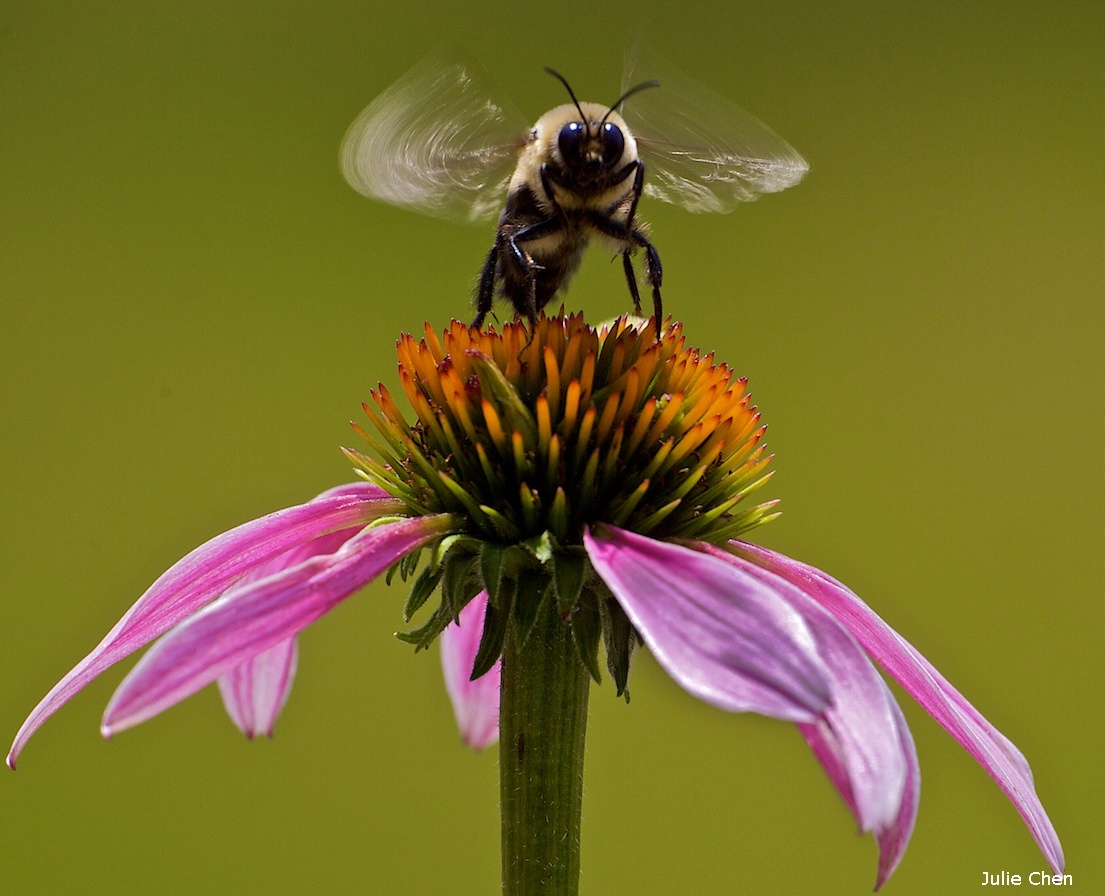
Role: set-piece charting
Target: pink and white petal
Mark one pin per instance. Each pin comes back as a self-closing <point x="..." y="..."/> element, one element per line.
<point x="723" y="635"/>
<point x="990" y="748"/>
<point x="894" y="838"/>
<point x="857" y="735"/>
<point x="204" y="574"/>
<point x="254" y="692"/>
<point x="475" y="703"/>
<point x="254" y="617"/>
<point x="825" y="747"/>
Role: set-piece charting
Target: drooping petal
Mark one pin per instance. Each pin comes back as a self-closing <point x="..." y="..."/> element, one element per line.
<point x="722" y="634"/>
<point x="856" y="739"/>
<point x="254" y="617"/>
<point x="475" y="703"/>
<point x="254" y="692"/>
<point x="204" y="574"/>
<point x="993" y="751"/>
<point x="894" y="838"/>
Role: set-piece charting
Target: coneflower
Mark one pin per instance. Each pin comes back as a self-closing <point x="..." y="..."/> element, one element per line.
<point x="565" y="492"/>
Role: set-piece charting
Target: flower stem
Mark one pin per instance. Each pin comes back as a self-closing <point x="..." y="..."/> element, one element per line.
<point x="542" y="724"/>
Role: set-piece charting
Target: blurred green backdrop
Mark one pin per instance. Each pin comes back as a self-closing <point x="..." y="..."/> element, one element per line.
<point x="194" y="304"/>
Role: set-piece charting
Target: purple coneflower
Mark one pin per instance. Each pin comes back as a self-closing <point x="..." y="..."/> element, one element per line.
<point x="566" y="489"/>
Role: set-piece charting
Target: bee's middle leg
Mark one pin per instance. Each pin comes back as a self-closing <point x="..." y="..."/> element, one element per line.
<point x="527" y="302"/>
<point x="486" y="293"/>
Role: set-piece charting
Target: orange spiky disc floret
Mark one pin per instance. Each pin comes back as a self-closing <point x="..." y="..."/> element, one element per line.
<point x="574" y="426"/>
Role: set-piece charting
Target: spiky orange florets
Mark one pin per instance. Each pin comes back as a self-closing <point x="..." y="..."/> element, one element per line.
<point x="572" y="426"/>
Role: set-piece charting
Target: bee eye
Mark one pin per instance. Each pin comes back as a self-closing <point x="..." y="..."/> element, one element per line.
<point x="613" y="143"/>
<point x="570" y="140"/>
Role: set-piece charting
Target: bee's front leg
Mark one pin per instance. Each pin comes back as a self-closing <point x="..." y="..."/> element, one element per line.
<point x="548" y="181"/>
<point x="636" y="168"/>
<point x="654" y="273"/>
<point x="633" y="238"/>
<point x="631" y="281"/>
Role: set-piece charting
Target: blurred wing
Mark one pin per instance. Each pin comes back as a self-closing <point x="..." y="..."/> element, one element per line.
<point x="436" y="141"/>
<point x="699" y="150"/>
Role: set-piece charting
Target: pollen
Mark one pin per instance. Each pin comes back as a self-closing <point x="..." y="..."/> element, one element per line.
<point x="577" y="425"/>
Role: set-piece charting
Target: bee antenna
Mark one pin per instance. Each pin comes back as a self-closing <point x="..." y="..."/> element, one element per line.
<point x="568" y="87"/>
<point x="644" y="85"/>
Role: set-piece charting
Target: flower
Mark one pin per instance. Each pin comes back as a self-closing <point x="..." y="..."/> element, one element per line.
<point x="604" y="473"/>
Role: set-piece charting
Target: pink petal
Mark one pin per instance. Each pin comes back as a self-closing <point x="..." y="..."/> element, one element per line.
<point x="719" y="632"/>
<point x="894" y="838"/>
<point x="475" y="703"/>
<point x="254" y="692"/>
<point x="204" y="574"/>
<point x="856" y="738"/>
<point x="993" y="751"/>
<point x="254" y="617"/>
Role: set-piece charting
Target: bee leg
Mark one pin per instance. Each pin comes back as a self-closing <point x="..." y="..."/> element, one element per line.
<point x="529" y="265"/>
<point x="654" y="271"/>
<point x="548" y="180"/>
<point x="527" y="302"/>
<point x="638" y="188"/>
<point x="636" y="168"/>
<point x="631" y="279"/>
<point x="486" y="294"/>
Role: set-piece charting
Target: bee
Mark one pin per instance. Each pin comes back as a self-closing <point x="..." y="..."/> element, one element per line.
<point x="439" y="141"/>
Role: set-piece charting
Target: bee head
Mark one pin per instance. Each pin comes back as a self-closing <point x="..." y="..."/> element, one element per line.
<point x="588" y="146"/>
<point x="592" y="150"/>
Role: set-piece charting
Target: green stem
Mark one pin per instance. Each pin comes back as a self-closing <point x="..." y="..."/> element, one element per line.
<point x="542" y="724"/>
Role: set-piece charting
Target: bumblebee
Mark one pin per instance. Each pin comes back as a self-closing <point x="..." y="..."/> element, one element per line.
<point x="440" y="142"/>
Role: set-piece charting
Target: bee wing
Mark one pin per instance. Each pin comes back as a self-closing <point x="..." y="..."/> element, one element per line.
<point x="436" y="141"/>
<point x="700" y="150"/>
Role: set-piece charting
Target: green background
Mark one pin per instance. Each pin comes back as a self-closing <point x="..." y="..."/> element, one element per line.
<point x="194" y="304"/>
